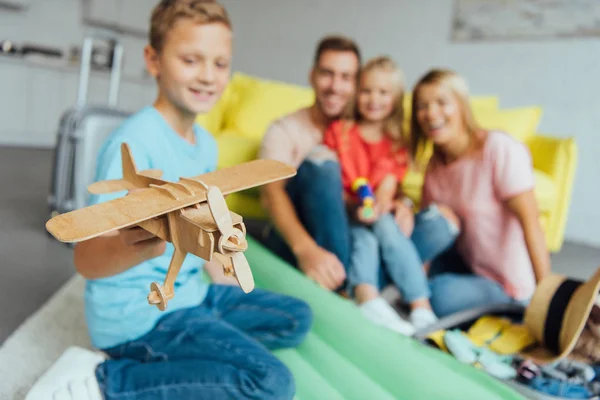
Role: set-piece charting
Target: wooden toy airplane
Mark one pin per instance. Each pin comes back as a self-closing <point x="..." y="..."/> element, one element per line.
<point x="191" y="213"/>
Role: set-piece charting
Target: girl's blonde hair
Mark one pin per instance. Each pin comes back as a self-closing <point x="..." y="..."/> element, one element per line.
<point x="459" y="88"/>
<point x="393" y="124"/>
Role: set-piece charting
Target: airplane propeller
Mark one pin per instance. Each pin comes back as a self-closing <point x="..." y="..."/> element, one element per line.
<point x="232" y="242"/>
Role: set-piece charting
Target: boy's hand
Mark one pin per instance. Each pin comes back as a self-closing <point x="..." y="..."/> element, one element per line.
<point x="404" y="217"/>
<point x="142" y="242"/>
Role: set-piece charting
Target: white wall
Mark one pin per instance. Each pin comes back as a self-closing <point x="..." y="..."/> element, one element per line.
<point x="276" y="39"/>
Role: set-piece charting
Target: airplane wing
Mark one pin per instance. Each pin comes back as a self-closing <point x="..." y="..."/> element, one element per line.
<point x="89" y="222"/>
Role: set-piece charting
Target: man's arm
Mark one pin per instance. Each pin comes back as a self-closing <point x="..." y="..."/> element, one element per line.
<point x="316" y="262"/>
<point x="284" y="217"/>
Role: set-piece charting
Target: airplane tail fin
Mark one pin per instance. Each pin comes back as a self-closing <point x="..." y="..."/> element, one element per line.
<point x="129" y="169"/>
<point x="131" y="178"/>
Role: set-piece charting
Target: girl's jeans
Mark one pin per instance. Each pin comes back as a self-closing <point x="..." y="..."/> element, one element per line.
<point x="383" y="244"/>
<point x="451" y="288"/>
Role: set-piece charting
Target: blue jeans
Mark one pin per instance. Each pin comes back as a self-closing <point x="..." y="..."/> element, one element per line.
<point x="432" y="235"/>
<point x="218" y="350"/>
<point x="455" y="288"/>
<point x="317" y="195"/>
<point x="384" y="244"/>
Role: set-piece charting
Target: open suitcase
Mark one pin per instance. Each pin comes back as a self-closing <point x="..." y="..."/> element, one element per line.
<point x="464" y="320"/>
<point x="81" y="132"/>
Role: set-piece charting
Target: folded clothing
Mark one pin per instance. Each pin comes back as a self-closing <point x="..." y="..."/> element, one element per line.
<point x="498" y="333"/>
<point x="567" y="379"/>
<point x="558" y="388"/>
<point x="461" y="346"/>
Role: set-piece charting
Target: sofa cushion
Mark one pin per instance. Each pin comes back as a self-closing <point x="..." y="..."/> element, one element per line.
<point x="521" y="123"/>
<point x="235" y="149"/>
<point x="545" y="188"/>
<point x="247" y="204"/>
<point x="258" y="102"/>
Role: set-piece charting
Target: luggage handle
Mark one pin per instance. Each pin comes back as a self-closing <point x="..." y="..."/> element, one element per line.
<point x="85" y="70"/>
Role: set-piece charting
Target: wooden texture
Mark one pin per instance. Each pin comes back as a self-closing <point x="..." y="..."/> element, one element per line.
<point x="92" y="221"/>
<point x="191" y="213"/>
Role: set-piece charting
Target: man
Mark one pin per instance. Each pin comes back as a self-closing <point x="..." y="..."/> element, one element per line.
<point x="309" y="222"/>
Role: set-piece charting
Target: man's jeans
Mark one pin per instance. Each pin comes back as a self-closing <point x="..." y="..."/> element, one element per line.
<point x="218" y="350"/>
<point x="317" y="195"/>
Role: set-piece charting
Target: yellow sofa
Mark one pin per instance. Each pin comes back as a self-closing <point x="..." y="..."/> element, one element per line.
<point x="250" y="104"/>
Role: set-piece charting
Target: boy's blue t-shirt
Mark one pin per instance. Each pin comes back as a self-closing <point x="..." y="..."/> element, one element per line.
<point x="117" y="308"/>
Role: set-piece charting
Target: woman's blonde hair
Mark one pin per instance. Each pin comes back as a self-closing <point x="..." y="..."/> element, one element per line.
<point x="459" y="88"/>
<point x="393" y="124"/>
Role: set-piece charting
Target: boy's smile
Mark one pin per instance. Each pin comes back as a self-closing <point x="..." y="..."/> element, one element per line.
<point x="193" y="67"/>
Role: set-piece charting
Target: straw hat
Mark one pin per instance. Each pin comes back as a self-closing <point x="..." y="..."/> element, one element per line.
<point x="557" y="314"/>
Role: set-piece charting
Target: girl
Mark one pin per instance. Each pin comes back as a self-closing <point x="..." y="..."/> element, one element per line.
<point x="370" y="148"/>
<point x="486" y="179"/>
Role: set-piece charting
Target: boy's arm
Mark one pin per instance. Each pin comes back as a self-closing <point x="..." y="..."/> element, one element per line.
<point x="116" y="252"/>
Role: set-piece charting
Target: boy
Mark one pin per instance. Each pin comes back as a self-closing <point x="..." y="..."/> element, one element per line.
<point x="213" y="341"/>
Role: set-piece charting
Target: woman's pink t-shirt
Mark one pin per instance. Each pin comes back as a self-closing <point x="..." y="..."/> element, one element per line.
<point x="475" y="188"/>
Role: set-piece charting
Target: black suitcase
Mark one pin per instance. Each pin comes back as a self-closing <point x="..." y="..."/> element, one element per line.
<point x="82" y="130"/>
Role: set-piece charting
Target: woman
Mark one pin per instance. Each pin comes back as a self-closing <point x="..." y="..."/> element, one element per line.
<point x="486" y="179"/>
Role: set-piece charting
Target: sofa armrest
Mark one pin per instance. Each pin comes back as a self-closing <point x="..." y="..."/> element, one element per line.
<point x="556" y="157"/>
<point x="552" y="155"/>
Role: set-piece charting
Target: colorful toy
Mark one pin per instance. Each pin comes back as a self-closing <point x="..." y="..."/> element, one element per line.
<point x="363" y="190"/>
<point x="191" y="213"/>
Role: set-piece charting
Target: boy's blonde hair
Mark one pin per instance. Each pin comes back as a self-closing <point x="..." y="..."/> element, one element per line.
<point x="168" y="12"/>
<point x="393" y="124"/>
<point x="459" y="88"/>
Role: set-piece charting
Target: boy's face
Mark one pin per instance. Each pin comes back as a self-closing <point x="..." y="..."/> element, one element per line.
<point x="193" y="66"/>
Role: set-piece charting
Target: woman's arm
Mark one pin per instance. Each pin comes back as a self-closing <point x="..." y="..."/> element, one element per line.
<point x="525" y="207"/>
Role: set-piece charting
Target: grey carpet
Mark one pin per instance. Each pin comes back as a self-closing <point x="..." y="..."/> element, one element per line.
<point x="34" y="265"/>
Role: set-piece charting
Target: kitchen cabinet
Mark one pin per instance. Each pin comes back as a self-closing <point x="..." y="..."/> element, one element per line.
<point x="13" y="102"/>
<point x="102" y="12"/>
<point x="46" y="101"/>
<point x="130" y="16"/>
<point x="135" y="15"/>
<point x="35" y="97"/>
<point x="19" y="4"/>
